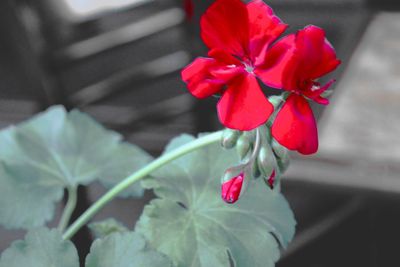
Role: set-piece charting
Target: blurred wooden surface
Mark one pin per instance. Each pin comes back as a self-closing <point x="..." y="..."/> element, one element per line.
<point x="360" y="129"/>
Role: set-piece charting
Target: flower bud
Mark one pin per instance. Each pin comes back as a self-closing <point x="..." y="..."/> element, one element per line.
<point x="255" y="170"/>
<point x="229" y="138"/>
<point x="266" y="161"/>
<point x="283" y="164"/>
<point x="243" y="146"/>
<point x="251" y="135"/>
<point x="282" y="154"/>
<point x="271" y="180"/>
<point x="232" y="184"/>
<point x="279" y="150"/>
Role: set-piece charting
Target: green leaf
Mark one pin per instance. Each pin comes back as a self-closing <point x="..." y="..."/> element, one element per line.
<point x="125" y="250"/>
<point x="41" y="248"/>
<point x="45" y="248"/>
<point x="55" y="150"/>
<point x="126" y="159"/>
<point x="25" y="203"/>
<point x="194" y="227"/>
<point x="107" y="227"/>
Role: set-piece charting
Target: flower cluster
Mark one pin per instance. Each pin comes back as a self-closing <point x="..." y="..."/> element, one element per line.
<point x="260" y="156"/>
<point x="244" y="48"/>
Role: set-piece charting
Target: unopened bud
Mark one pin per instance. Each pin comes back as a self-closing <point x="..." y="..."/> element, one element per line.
<point x="230" y="190"/>
<point x="255" y="170"/>
<point x="229" y="138"/>
<point x="283" y="164"/>
<point x="251" y="135"/>
<point x="243" y="146"/>
<point x="279" y="150"/>
<point x="266" y="161"/>
<point x="271" y="180"/>
<point x="282" y="154"/>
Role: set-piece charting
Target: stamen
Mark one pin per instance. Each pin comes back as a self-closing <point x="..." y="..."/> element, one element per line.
<point x="315" y="87"/>
<point x="248" y="68"/>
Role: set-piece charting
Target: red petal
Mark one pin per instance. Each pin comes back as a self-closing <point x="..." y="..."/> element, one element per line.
<point x="225" y="26"/>
<point x="316" y="95"/>
<point x="200" y="82"/>
<point x="229" y="66"/>
<point x="278" y="67"/>
<point x="223" y="57"/>
<point x="295" y="127"/>
<point x="308" y="56"/>
<point x="243" y="105"/>
<point x="264" y="28"/>
<point x="317" y="54"/>
<point x="230" y="190"/>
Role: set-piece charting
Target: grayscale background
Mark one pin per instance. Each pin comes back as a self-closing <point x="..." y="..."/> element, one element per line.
<point x="121" y="63"/>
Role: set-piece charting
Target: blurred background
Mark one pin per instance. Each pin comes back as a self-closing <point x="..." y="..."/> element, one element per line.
<point x="120" y="62"/>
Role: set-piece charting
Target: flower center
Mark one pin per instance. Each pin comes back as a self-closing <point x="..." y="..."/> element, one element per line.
<point x="248" y="68"/>
<point x="309" y="85"/>
<point x="315" y="87"/>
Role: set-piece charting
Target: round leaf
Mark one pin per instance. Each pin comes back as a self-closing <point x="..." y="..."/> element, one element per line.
<point x="124" y="250"/>
<point x="24" y="202"/>
<point x="41" y="248"/>
<point x="107" y="227"/>
<point x="55" y="150"/>
<point x="192" y="225"/>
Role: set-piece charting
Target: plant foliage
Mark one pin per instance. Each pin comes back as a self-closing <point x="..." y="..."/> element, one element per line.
<point x="44" y="248"/>
<point x="191" y="224"/>
<point x="56" y="150"/>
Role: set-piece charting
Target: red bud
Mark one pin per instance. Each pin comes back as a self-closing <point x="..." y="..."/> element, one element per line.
<point x="230" y="190"/>
<point x="271" y="180"/>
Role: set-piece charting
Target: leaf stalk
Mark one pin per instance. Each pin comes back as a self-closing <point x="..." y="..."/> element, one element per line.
<point x="69" y="208"/>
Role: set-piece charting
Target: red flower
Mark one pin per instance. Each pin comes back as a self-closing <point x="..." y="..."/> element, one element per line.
<point x="239" y="36"/>
<point x="308" y="56"/>
<point x="230" y="190"/>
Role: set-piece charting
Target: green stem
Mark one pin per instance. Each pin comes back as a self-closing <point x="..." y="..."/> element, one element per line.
<point x="140" y="174"/>
<point x="69" y="208"/>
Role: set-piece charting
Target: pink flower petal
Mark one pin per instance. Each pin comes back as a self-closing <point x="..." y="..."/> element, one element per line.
<point x="244" y="106"/>
<point x="295" y="127"/>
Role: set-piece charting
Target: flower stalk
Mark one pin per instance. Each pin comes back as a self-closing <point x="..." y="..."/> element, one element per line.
<point x="137" y="176"/>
